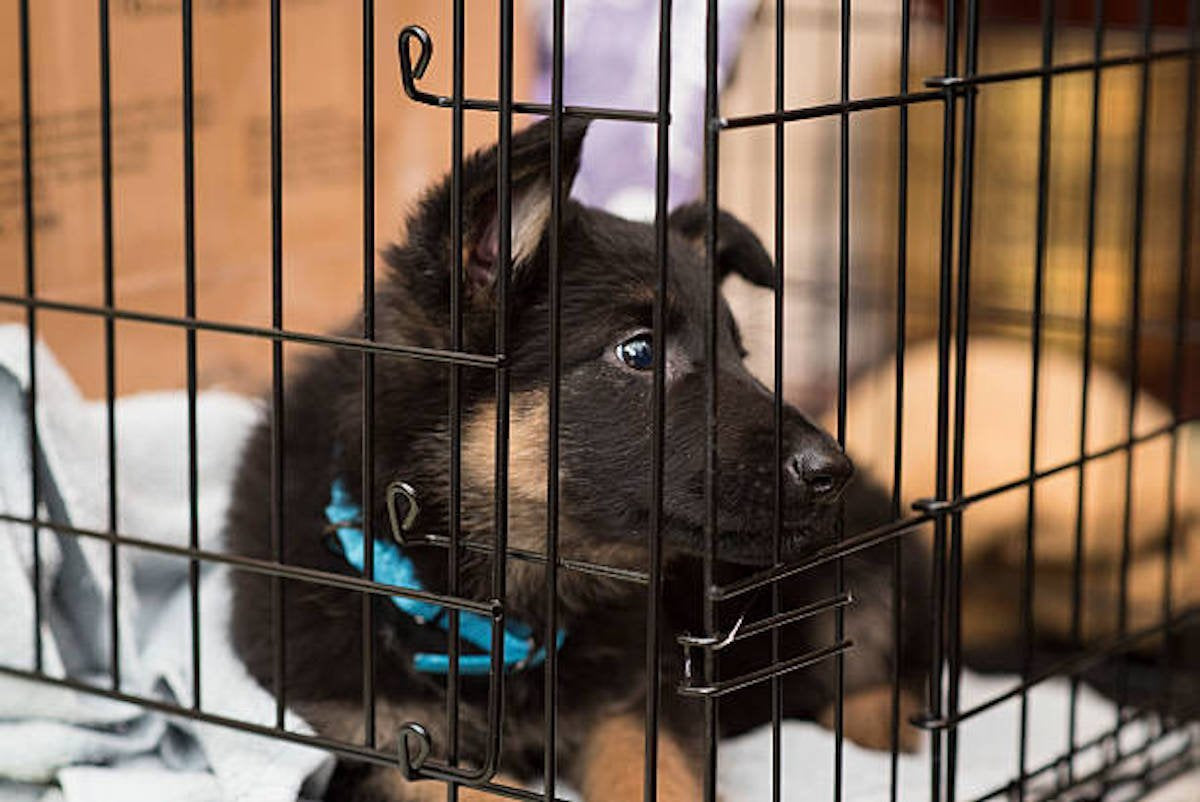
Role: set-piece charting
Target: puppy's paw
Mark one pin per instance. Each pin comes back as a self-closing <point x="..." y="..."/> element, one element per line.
<point x="867" y="718"/>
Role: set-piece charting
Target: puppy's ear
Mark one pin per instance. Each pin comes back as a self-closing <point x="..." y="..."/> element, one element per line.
<point x="738" y="249"/>
<point x="530" y="203"/>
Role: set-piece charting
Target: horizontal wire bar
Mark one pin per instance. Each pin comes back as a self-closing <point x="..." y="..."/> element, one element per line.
<point x="265" y="567"/>
<point x="886" y="532"/>
<point x="763" y="674"/>
<point x="530" y="556"/>
<point x="936" y="94"/>
<point x="336" y="580"/>
<point x="1073" y="665"/>
<point x="339" y="748"/>
<point x="740" y="633"/>
<point x="582" y="112"/>
<point x="194" y="324"/>
<point x="1059" y="69"/>
<point x="830" y="109"/>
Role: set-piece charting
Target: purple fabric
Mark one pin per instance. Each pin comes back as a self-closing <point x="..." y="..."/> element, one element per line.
<point x="611" y="60"/>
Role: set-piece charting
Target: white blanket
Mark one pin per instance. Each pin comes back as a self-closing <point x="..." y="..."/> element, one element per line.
<point x="95" y="749"/>
<point x="56" y="743"/>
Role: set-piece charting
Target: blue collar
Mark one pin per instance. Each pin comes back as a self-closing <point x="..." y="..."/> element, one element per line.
<point x="393" y="567"/>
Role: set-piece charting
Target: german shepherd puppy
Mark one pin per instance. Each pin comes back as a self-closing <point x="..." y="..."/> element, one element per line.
<point x="607" y="296"/>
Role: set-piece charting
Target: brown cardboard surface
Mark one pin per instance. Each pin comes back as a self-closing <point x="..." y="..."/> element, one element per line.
<point x="1004" y="221"/>
<point x="322" y="232"/>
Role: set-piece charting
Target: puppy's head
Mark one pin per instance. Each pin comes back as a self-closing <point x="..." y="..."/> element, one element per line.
<point x="609" y="280"/>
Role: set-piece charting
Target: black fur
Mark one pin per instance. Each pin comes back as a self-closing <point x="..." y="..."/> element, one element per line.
<point x="608" y="280"/>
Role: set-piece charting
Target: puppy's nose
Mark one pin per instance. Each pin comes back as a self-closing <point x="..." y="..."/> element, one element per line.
<point x="822" y="471"/>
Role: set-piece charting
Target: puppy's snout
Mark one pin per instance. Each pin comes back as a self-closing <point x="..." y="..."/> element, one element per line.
<point x="822" y="471"/>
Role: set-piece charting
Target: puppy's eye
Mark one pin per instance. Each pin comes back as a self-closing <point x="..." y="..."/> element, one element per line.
<point x="637" y="352"/>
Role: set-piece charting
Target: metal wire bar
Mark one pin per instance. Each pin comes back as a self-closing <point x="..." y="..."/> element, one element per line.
<point x="772" y="623"/>
<point x="945" y="272"/>
<point x="1144" y="58"/>
<point x="110" y="370"/>
<point x="368" y="365"/>
<point x="276" y="334"/>
<point x="504" y="209"/>
<point x="454" y="641"/>
<point x="711" y="465"/>
<point x="1039" y="284"/>
<point x="898" y="409"/>
<point x="658" y="405"/>
<point x="532" y="556"/>
<point x="550" y="712"/>
<point x="906" y="98"/>
<point x="29" y="243"/>
<point x="777" y="386"/>
<point x="189" y="281"/>
<point x="410" y="73"/>
<point x="715" y="690"/>
<point x="961" y="340"/>
<point x="277" y="466"/>
<point x="264" y="567"/>
<point x="1077" y="574"/>
<point x="843" y="373"/>
<point x="834" y="109"/>
<point x="1135" y="316"/>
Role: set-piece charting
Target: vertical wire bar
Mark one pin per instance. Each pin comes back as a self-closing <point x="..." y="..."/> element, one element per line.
<point x="658" y="401"/>
<point x="898" y="412"/>
<point x="961" y="343"/>
<point x="777" y="523"/>
<point x="1178" y="364"/>
<point x="368" y="366"/>
<point x="941" y="483"/>
<point x="110" y="373"/>
<point x="277" y="551"/>
<point x="1135" y="325"/>
<point x="1039" y="281"/>
<point x="189" y="280"/>
<point x="456" y="337"/>
<point x="711" y="465"/>
<point x="839" y="615"/>
<point x="1077" y="574"/>
<point x="30" y="241"/>
<point x="550" y="711"/>
<point x="504" y="210"/>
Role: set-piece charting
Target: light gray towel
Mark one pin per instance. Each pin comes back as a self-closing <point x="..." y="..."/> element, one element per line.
<point x="91" y="747"/>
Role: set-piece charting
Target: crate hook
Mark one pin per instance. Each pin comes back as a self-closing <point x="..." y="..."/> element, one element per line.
<point x="402" y="524"/>
<point x="410" y="763"/>
<point x="409" y="73"/>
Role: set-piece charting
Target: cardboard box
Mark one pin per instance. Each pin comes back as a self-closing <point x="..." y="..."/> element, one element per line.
<point x="322" y="168"/>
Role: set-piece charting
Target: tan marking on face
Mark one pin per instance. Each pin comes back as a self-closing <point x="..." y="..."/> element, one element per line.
<point x="614" y="764"/>
<point x="527" y="442"/>
<point x="527" y="495"/>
